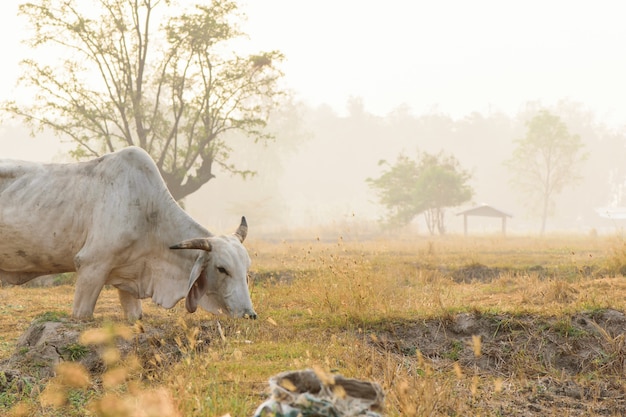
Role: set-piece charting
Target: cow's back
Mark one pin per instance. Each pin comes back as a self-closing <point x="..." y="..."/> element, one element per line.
<point x="49" y="212"/>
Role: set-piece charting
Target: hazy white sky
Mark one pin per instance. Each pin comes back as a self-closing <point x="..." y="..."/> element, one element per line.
<point x="458" y="56"/>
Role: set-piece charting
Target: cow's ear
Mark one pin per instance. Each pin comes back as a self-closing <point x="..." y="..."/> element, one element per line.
<point x="242" y="230"/>
<point x="198" y="282"/>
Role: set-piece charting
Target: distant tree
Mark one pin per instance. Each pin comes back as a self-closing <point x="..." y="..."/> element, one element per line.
<point x="428" y="185"/>
<point x="141" y="73"/>
<point x="546" y="161"/>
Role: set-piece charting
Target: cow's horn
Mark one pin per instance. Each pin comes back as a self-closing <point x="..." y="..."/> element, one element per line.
<point x="242" y="230"/>
<point x="199" y="243"/>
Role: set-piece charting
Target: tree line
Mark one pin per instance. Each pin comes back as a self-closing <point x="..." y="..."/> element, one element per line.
<point x="544" y="162"/>
<point x="336" y="158"/>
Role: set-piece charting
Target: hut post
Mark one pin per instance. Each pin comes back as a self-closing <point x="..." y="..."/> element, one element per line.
<point x="465" y="224"/>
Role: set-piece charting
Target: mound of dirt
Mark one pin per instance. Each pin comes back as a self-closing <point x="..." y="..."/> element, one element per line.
<point x="47" y="343"/>
<point x="41" y="348"/>
<point x="583" y="342"/>
<point x="569" y="359"/>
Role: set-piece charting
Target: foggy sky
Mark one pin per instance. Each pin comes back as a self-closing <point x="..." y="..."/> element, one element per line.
<point x="456" y="55"/>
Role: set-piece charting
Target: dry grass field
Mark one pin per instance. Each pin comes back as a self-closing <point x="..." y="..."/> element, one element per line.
<point x="452" y="326"/>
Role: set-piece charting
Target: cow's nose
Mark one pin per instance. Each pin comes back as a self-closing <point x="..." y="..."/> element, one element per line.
<point x="250" y="315"/>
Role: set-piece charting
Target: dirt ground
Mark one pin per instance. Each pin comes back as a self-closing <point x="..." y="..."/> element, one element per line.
<point x="573" y="365"/>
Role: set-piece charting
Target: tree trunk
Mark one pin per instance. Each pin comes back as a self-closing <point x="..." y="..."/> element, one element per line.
<point x="181" y="187"/>
<point x="441" y="226"/>
<point x="430" y="221"/>
<point x="544" y="214"/>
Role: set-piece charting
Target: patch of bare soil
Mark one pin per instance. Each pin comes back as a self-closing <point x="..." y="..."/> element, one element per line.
<point x="477" y="272"/>
<point x="574" y="364"/>
<point x="283" y="276"/>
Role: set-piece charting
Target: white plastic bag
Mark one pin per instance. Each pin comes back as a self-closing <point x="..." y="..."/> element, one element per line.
<point x="314" y="393"/>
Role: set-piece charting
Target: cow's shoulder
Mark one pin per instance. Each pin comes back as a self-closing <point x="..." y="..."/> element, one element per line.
<point x="132" y="158"/>
<point x="131" y="153"/>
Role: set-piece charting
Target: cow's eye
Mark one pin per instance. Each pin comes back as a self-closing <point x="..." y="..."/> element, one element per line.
<point x="222" y="270"/>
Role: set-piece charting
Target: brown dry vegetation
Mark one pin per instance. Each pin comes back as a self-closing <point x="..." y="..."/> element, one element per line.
<point x="448" y="326"/>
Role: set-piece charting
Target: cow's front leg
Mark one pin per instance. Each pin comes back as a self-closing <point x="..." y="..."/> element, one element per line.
<point x="89" y="282"/>
<point x="130" y="304"/>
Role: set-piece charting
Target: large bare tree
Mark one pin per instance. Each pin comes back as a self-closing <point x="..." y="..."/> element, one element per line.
<point x="149" y="73"/>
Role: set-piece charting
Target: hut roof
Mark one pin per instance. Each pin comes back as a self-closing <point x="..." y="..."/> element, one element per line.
<point x="485" y="211"/>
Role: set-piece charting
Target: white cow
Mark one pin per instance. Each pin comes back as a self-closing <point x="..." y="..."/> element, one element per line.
<point x="114" y="222"/>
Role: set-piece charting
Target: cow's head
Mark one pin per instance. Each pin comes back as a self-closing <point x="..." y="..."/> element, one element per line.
<point x="219" y="278"/>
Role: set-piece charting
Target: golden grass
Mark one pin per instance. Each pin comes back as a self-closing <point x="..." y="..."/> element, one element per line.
<point x="322" y="304"/>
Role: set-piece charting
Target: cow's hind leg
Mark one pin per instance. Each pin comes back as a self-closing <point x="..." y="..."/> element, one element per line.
<point x="130" y="304"/>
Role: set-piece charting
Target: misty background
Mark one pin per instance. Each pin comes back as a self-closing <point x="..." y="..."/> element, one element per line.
<point x="370" y="81"/>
